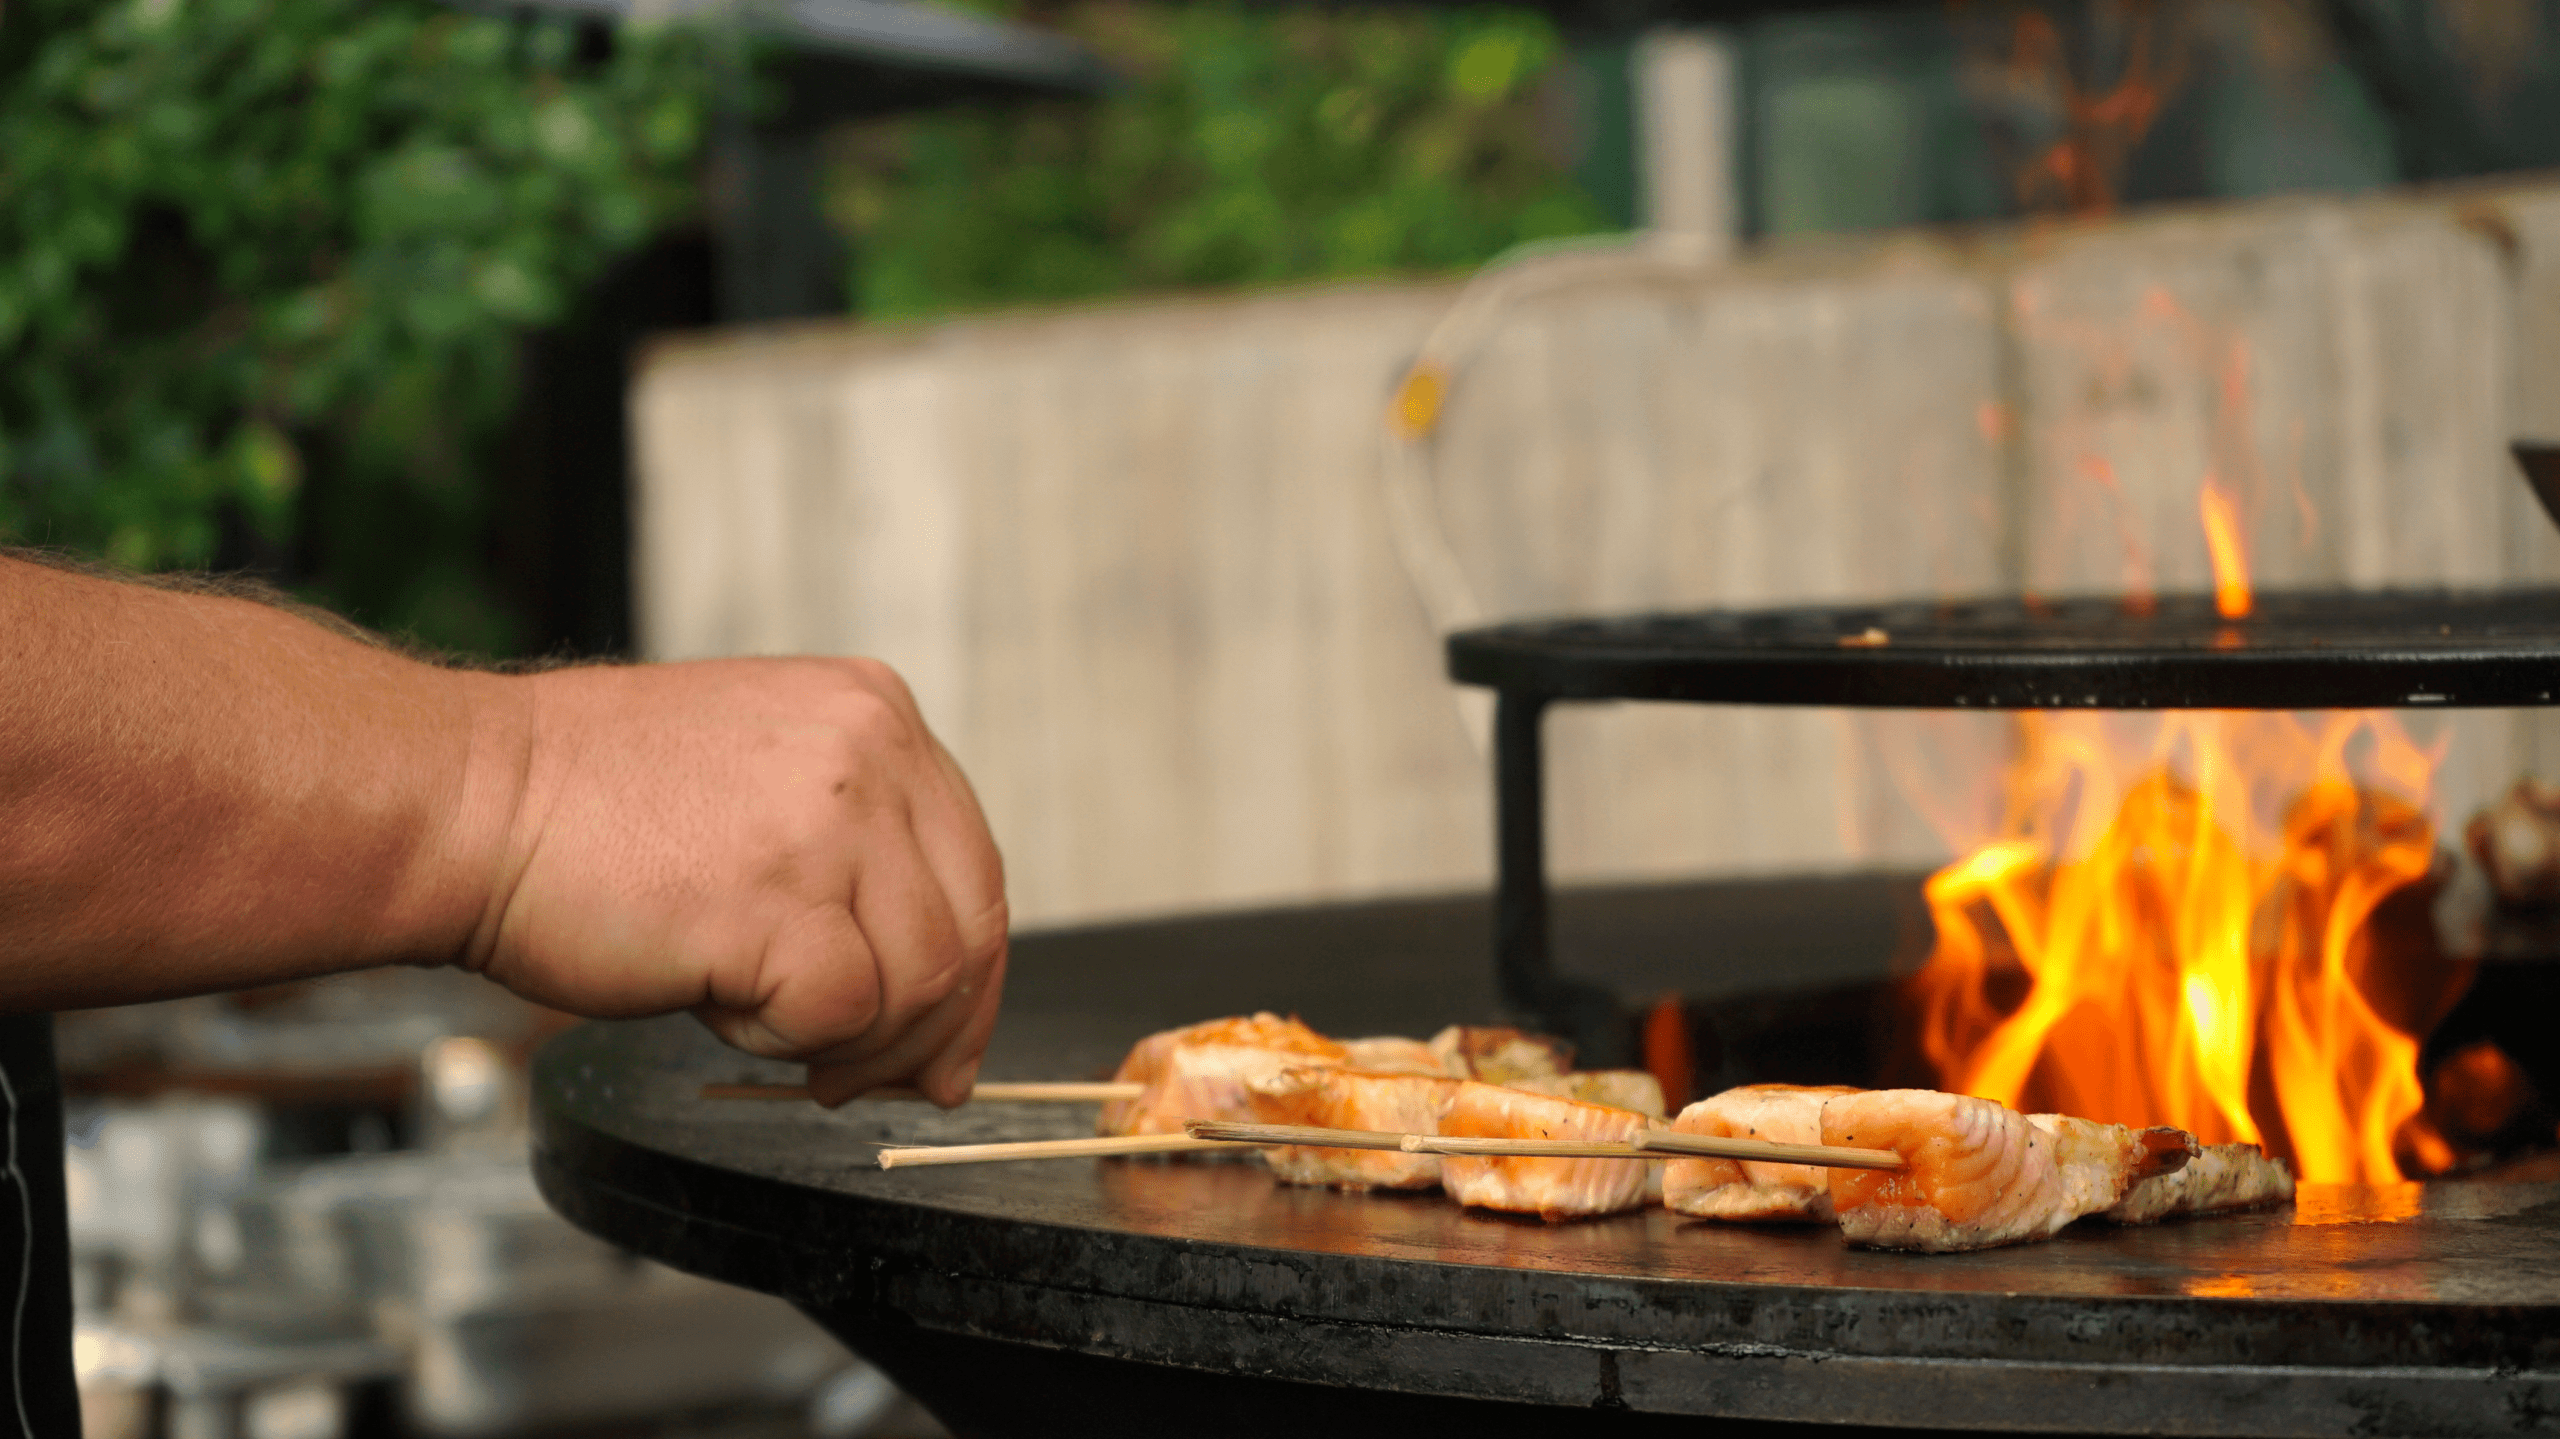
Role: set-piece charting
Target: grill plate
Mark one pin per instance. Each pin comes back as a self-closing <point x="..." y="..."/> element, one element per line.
<point x="1066" y="1297"/>
<point x="2296" y="650"/>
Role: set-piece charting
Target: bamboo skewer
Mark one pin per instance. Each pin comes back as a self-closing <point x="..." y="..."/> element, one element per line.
<point x="1770" y="1151"/>
<point x="1059" y="1092"/>
<point x="899" y="1156"/>
<point x="1454" y="1144"/>
<point x="1211" y="1134"/>
<point x="1226" y="1133"/>
<point x="1652" y="1144"/>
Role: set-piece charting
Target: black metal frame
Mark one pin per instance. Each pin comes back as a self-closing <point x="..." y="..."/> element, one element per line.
<point x="2294" y="651"/>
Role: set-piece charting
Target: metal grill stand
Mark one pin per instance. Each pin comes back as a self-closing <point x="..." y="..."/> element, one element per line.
<point x="2294" y="651"/>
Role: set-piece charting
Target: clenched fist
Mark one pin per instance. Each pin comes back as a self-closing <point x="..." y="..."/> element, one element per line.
<point x="780" y="846"/>
<point x="202" y="792"/>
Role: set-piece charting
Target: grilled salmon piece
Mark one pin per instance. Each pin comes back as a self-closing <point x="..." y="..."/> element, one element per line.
<point x="1352" y="1099"/>
<point x="1977" y="1174"/>
<point x="1752" y="1190"/>
<point x="1552" y="1189"/>
<point x="2222" y="1177"/>
<point x="1617" y="1088"/>
<point x="1395" y="1054"/>
<point x="1199" y="1071"/>
<point x="1499" y="1055"/>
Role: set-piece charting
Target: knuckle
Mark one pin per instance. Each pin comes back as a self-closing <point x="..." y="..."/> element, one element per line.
<point x="881" y="677"/>
<point x="870" y="718"/>
<point x="937" y="976"/>
<point x="986" y="935"/>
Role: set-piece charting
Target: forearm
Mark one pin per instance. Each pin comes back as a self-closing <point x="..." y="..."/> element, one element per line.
<point x="201" y="793"/>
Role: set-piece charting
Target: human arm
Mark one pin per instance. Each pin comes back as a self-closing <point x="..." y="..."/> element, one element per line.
<point x="199" y="792"/>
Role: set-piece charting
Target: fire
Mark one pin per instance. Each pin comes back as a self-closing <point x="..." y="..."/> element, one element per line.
<point x="2172" y="919"/>
<point x="2222" y="542"/>
<point x="2154" y="940"/>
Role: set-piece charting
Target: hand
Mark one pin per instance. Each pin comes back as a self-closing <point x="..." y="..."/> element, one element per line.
<point x="780" y="846"/>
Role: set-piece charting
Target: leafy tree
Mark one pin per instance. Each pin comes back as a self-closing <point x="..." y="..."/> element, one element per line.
<point x="243" y="238"/>
<point x="1251" y="145"/>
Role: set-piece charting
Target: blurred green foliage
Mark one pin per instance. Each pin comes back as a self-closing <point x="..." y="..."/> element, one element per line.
<point x="267" y="266"/>
<point x="241" y="239"/>
<point x="1252" y="145"/>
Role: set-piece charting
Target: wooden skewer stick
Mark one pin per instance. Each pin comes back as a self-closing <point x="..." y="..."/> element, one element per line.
<point x="1321" y="1138"/>
<point x="1523" y="1148"/>
<point x="899" y="1156"/>
<point x="1058" y="1092"/>
<point x="1829" y="1156"/>
<point x="1296" y="1134"/>
<point x="1653" y="1144"/>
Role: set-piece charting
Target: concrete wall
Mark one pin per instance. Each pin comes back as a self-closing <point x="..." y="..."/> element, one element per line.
<point x="1139" y="562"/>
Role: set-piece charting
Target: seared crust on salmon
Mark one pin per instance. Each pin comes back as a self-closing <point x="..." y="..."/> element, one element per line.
<point x="1975" y="1174"/>
<point x="1617" y="1088"/>
<point x="2223" y="1177"/>
<point x="1350" y="1099"/>
<point x="1395" y="1054"/>
<point x="1753" y="1191"/>
<point x="1199" y="1071"/>
<point x="1552" y="1189"/>
<point x="1499" y="1055"/>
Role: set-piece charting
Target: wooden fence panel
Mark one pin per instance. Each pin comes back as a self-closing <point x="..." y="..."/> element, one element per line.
<point x="1137" y="560"/>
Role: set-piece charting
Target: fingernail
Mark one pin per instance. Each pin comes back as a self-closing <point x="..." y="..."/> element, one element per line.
<point x="965" y="1081"/>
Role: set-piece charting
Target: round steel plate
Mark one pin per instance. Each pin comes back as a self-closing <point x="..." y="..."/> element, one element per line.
<point x="1006" y="1290"/>
<point x="2296" y="650"/>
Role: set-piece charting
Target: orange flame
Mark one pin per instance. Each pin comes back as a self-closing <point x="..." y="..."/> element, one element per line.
<point x="2160" y="950"/>
<point x="2230" y="561"/>
<point x="2178" y="933"/>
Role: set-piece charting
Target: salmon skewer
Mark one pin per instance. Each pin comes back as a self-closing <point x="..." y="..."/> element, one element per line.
<point x="2101" y="1163"/>
<point x="1200" y="1071"/>
<point x="1395" y="1054"/>
<point x="2224" y="1177"/>
<point x="1753" y="1191"/>
<point x="1499" y="1055"/>
<point x="1552" y="1189"/>
<point x="1977" y="1174"/>
<point x="1352" y="1099"/>
<point x="1617" y="1088"/>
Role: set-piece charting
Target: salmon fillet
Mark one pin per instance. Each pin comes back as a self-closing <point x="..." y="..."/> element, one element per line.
<point x="1976" y="1174"/>
<point x="1617" y="1088"/>
<point x="1199" y="1071"/>
<point x="1751" y="1190"/>
<point x="2223" y="1177"/>
<point x="1395" y="1054"/>
<point x="1552" y="1189"/>
<point x="1351" y="1099"/>
<point x="1498" y="1055"/>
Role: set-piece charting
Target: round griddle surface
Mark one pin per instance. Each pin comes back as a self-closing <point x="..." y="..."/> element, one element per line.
<point x="2417" y="1309"/>
<point x="2414" y="1296"/>
<point x="2332" y="649"/>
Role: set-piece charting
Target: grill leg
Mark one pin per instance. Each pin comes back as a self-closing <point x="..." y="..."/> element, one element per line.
<point x="1520" y="936"/>
<point x="1524" y="959"/>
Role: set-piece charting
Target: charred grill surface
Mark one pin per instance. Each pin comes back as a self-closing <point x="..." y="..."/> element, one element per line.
<point x="1142" y="1296"/>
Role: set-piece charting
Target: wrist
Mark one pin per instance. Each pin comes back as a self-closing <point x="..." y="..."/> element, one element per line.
<point x="448" y="905"/>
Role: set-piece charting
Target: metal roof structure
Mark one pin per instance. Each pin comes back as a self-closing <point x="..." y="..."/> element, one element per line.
<point x="916" y="53"/>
